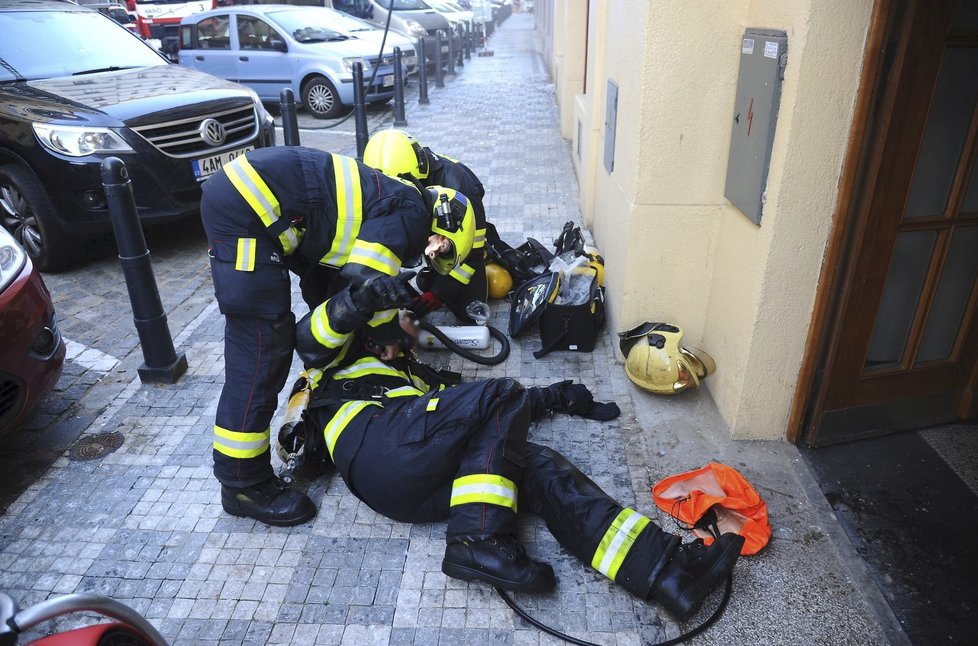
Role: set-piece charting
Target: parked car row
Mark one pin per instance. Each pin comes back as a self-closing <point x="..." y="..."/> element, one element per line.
<point x="97" y="90"/>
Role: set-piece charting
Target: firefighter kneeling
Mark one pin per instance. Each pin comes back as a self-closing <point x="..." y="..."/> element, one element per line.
<point x="418" y="446"/>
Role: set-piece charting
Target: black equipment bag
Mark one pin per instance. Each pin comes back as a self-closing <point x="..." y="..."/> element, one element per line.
<point x="527" y="261"/>
<point x="572" y="327"/>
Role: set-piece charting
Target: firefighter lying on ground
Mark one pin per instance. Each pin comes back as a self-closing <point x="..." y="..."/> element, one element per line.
<point x="416" y="445"/>
<point x="341" y="226"/>
<point x="398" y="154"/>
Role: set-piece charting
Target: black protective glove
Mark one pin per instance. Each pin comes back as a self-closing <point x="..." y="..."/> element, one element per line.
<point x="351" y="308"/>
<point x="383" y="293"/>
<point x="573" y="399"/>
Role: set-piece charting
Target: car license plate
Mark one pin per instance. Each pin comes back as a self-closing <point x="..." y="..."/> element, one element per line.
<point x="207" y="166"/>
<point x="389" y="80"/>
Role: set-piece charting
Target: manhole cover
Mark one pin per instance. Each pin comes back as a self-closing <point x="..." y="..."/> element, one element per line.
<point x="96" y="446"/>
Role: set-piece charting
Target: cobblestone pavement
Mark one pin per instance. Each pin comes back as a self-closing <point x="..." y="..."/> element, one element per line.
<point x="144" y="524"/>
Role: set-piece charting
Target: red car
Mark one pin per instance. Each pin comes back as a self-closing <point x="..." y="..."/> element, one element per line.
<point x="32" y="351"/>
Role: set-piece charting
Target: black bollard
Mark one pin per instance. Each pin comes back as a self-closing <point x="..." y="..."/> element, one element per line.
<point x="290" y="125"/>
<point x="439" y="74"/>
<point x="422" y="73"/>
<point x="359" y="109"/>
<point x="161" y="363"/>
<point x="460" y="56"/>
<point x="451" y="50"/>
<point x="399" y="120"/>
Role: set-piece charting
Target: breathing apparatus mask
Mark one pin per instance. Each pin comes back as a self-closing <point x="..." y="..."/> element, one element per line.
<point x="454" y="220"/>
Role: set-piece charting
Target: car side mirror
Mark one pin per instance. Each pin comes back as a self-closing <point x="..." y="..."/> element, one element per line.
<point x="278" y="45"/>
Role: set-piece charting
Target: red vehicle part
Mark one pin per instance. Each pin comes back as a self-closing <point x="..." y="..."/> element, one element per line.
<point x="32" y="351"/>
<point x="129" y="629"/>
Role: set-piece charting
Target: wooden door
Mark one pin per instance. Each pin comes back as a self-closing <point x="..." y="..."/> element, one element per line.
<point x="903" y="342"/>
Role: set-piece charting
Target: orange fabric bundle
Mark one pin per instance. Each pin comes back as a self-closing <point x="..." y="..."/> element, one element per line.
<point x="689" y="496"/>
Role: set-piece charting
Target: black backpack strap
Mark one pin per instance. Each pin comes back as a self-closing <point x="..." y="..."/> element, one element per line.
<point x="554" y="342"/>
<point x="550" y="347"/>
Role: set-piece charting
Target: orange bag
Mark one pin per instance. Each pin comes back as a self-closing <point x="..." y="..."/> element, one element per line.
<point x="689" y="498"/>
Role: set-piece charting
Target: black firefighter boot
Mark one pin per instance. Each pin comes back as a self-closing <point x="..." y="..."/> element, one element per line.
<point x="270" y="502"/>
<point x="501" y="561"/>
<point x="692" y="573"/>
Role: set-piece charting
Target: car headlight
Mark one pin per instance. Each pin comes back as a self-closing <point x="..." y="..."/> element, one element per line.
<point x="348" y="63"/>
<point x="79" y="141"/>
<point x="12" y="259"/>
<point x="415" y="28"/>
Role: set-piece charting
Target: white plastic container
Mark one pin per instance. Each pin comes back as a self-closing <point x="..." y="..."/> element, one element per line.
<point x="470" y="337"/>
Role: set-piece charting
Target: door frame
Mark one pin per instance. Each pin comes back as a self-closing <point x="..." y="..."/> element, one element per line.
<point x="884" y="63"/>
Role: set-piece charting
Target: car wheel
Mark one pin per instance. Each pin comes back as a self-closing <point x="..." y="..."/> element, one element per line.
<point x="27" y="212"/>
<point x="320" y="99"/>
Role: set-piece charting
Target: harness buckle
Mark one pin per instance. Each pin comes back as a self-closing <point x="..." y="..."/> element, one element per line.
<point x="351" y="388"/>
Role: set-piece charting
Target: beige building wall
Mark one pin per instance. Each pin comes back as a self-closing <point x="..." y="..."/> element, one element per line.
<point x="676" y="249"/>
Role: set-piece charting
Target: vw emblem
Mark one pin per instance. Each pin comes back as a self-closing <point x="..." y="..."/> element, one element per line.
<point x="212" y="132"/>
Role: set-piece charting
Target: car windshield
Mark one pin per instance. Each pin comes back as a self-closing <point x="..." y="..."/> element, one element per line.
<point x="306" y="25"/>
<point x="74" y="42"/>
<point x="403" y="5"/>
<point x="344" y="22"/>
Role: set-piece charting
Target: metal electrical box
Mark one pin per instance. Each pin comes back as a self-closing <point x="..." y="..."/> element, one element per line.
<point x="610" y="126"/>
<point x="763" y="56"/>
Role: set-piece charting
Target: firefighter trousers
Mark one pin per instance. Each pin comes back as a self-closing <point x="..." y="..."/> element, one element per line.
<point x="455" y="453"/>
<point x="409" y="458"/>
<point x="253" y="289"/>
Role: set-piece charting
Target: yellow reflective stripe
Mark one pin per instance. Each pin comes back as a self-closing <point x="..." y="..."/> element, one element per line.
<point x="376" y="256"/>
<point x="432" y="405"/>
<point x="253" y="189"/>
<point x="349" y="210"/>
<point x="463" y="274"/>
<point x="617" y="541"/>
<point x="484" y="488"/>
<point x="342" y="419"/>
<point x="322" y="331"/>
<point x="245" y="258"/>
<point x="313" y="375"/>
<point x="367" y="366"/>
<point x="420" y="384"/>
<point x="381" y="317"/>
<point x="240" y="445"/>
<point x="480" y="239"/>
<point x="260" y="198"/>
<point x="404" y="391"/>
<point x="290" y="239"/>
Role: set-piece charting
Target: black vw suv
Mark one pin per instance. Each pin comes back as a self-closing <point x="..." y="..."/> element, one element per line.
<point x="75" y="88"/>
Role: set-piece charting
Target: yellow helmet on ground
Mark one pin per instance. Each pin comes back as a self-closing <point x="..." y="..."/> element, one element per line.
<point x="500" y="281"/>
<point x="656" y="361"/>
<point x="452" y="217"/>
<point x="395" y="153"/>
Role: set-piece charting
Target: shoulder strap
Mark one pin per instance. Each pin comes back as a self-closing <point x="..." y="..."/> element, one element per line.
<point x="550" y="347"/>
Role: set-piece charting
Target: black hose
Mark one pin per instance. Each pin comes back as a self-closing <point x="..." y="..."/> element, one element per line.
<point x="493" y="360"/>
<point x="669" y="642"/>
<point x="373" y="75"/>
